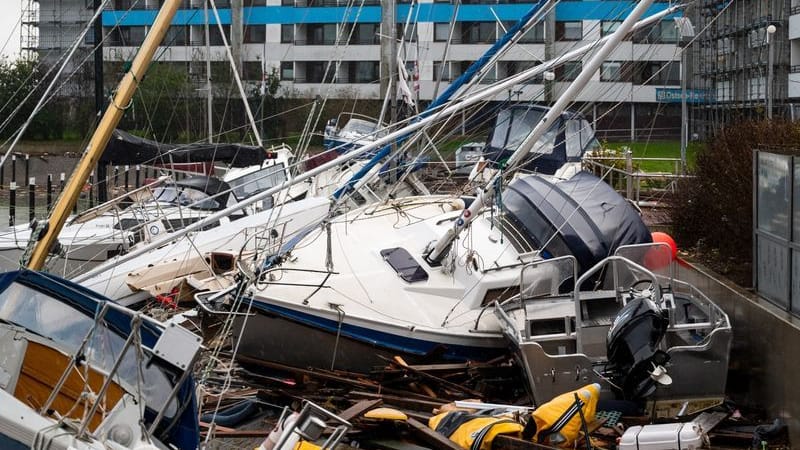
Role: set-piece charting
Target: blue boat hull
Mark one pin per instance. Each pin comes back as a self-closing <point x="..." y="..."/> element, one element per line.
<point x="301" y="339"/>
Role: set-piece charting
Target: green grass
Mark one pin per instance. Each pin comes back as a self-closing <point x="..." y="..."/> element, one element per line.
<point x="657" y="149"/>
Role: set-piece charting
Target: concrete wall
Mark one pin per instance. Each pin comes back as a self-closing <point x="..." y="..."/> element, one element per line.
<point x="764" y="364"/>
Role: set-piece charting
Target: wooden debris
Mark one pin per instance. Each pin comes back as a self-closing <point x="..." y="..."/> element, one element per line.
<point x="403" y="402"/>
<point x="430" y="437"/>
<point x="398" y="361"/>
<point x="360" y="408"/>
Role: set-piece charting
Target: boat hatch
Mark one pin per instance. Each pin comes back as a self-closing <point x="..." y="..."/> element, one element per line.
<point x="404" y="264"/>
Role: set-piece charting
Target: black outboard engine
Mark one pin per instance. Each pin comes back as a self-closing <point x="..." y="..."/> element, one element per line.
<point x="635" y="363"/>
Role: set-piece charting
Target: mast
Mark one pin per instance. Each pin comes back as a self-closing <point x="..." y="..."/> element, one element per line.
<point x="485" y="197"/>
<point x="66" y="201"/>
<point x="102" y="170"/>
<point x="457" y="84"/>
<point x="433" y="116"/>
<point x="209" y="94"/>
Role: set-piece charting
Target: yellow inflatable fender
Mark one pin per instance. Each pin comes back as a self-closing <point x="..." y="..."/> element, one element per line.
<point x="558" y="421"/>
<point x="473" y="432"/>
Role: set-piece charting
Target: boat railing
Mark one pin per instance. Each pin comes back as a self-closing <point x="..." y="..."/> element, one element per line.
<point x="655" y="256"/>
<point x="176" y="346"/>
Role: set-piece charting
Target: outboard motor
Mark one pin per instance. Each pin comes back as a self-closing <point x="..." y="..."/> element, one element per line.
<point x="634" y="361"/>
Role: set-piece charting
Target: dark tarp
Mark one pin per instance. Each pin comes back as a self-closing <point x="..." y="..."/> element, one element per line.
<point x="125" y="148"/>
<point x="582" y="216"/>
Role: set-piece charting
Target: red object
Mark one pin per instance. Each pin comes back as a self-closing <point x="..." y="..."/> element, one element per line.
<point x="169" y="300"/>
<point x="660" y="237"/>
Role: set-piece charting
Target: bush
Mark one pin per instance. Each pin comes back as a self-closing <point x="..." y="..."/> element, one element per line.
<point x="713" y="211"/>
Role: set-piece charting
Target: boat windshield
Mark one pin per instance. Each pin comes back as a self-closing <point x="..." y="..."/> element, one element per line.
<point x="515" y="124"/>
<point x="360" y="126"/>
<point x="259" y="181"/>
<point x="66" y="326"/>
<point x="184" y="196"/>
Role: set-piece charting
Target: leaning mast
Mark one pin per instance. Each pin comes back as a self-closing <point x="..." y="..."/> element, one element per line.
<point x="48" y="231"/>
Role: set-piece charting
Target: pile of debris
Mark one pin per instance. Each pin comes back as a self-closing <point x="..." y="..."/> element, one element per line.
<point x="483" y="406"/>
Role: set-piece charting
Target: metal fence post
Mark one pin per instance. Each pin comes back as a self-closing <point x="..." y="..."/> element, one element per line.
<point x="629" y="173"/>
<point x="49" y="191"/>
<point x="31" y="198"/>
<point x="12" y="203"/>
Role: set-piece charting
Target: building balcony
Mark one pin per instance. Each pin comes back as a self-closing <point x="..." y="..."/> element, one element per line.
<point x="794" y="83"/>
<point x="794" y="23"/>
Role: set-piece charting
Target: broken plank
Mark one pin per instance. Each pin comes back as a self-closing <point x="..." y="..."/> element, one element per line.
<point x="403" y="402"/>
<point x="430" y="437"/>
<point x="360" y="408"/>
<point x="434" y="378"/>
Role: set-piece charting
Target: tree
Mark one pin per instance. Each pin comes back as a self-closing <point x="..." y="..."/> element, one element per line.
<point x="163" y="106"/>
<point x="714" y="210"/>
<point x="18" y="79"/>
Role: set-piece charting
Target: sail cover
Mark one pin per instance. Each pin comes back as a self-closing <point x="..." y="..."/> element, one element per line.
<point x="582" y="216"/>
<point x="125" y="148"/>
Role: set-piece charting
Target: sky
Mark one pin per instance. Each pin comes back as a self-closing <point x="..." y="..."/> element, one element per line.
<point x="9" y="20"/>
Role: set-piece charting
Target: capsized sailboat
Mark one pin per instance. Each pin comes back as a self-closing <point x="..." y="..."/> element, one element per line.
<point x="418" y="277"/>
<point x="77" y="370"/>
<point x="360" y="288"/>
<point x="80" y="372"/>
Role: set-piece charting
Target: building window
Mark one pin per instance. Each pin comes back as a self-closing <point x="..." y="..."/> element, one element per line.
<point x="176" y="35"/>
<point x="569" y="31"/>
<point x="757" y="37"/>
<point x="363" y="71"/>
<point x="664" y="32"/>
<point x="442" y="70"/>
<point x="254" y="3"/>
<point x="216" y="38"/>
<point x="756" y="88"/>
<point x="362" y="33"/>
<point x="287" y="70"/>
<point x="478" y="32"/>
<point x="609" y="26"/>
<point x="515" y="67"/>
<point x="724" y="90"/>
<point x="126" y="36"/>
<point x="441" y="31"/>
<point x="287" y="34"/>
<point x="664" y="73"/>
<point x="316" y="72"/>
<point x="568" y="71"/>
<point x="410" y="32"/>
<point x="287" y="2"/>
<point x="321" y="34"/>
<point x="255" y="34"/>
<point x="611" y="71"/>
<point x="535" y="35"/>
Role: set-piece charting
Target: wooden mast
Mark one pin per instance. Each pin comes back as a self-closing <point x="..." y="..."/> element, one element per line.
<point x="66" y="201"/>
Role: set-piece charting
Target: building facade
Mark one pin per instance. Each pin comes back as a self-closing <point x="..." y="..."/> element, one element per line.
<point x="731" y="60"/>
<point x="632" y="95"/>
<point x="49" y="28"/>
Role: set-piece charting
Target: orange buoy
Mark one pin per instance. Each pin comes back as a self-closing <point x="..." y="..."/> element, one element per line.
<point x="659" y="237"/>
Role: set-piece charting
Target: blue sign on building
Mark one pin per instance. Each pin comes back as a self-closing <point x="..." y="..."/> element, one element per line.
<point x="673" y="95"/>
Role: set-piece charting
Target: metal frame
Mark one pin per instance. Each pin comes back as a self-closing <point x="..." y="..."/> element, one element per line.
<point x="789" y="243"/>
